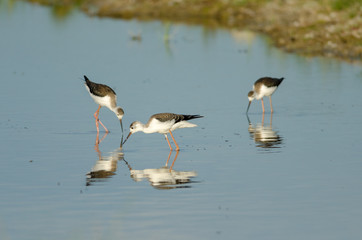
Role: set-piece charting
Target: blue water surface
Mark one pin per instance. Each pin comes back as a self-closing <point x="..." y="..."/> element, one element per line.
<point x="295" y="174"/>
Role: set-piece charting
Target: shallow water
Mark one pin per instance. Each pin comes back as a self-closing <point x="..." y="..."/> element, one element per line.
<point x="295" y="174"/>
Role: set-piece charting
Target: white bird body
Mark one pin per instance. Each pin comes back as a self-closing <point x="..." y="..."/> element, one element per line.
<point x="156" y="125"/>
<point x="264" y="92"/>
<point x="104" y="101"/>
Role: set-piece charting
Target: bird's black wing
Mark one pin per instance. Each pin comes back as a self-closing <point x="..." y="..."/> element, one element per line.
<point x="270" y="82"/>
<point x="98" y="89"/>
<point x="163" y="117"/>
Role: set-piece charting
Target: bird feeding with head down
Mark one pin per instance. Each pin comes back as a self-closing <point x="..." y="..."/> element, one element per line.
<point x="163" y="123"/>
<point x="104" y="96"/>
<point x="264" y="87"/>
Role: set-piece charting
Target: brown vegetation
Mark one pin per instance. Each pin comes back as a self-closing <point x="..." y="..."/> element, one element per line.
<point x="330" y="28"/>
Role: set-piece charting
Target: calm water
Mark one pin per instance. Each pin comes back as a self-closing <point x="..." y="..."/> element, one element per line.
<point x="293" y="175"/>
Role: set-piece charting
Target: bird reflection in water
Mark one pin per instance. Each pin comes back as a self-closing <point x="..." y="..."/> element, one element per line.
<point x="165" y="177"/>
<point x="105" y="166"/>
<point x="264" y="136"/>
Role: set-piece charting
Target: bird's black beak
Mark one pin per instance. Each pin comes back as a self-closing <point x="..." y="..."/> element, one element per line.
<point x="121" y="145"/>
<point x="247" y="116"/>
<point x="126" y="138"/>
<point x="248" y="107"/>
<point x="120" y="121"/>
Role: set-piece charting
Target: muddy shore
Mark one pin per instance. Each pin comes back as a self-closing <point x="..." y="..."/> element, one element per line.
<point x="331" y="28"/>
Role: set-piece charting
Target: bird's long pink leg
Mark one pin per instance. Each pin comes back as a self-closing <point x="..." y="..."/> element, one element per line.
<point x="97" y="138"/>
<point x="177" y="148"/>
<point x="262" y="104"/>
<point x="169" y="144"/>
<point x="271" y="106"/>
<point x="103" y="126"/>
<point x="96" y="116"/>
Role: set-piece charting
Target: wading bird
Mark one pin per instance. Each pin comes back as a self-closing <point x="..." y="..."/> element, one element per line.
<point x="163" y="123"/>
<point x="103" y="96"/>
<point x="264" y="87"/>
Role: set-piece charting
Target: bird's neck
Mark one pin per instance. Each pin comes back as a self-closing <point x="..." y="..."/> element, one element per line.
<point x="147" y="128"/>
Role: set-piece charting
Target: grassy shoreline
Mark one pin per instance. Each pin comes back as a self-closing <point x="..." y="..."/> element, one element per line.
<point x="331" y="28"/>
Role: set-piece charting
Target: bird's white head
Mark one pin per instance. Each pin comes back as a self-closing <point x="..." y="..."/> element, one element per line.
<point x="119" y="113"/>
<point x="136" y="127"/>
<point x="251" y="97"/>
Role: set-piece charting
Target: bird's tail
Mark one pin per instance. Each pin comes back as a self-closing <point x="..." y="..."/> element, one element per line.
<point x="189" y="117"/>
<point x="88" y="82"/>
<point x="280" y="81"/>
<point x="86" y="79"/>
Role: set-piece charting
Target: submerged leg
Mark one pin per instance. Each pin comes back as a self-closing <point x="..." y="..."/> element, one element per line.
<point x="271" y="106"/>
<point x="99" y="141"/>
<point x="174" y="160"/>
<point x="169" y="144"/>
<point x="177" y="148"/>
<point x="168" y="159"/>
